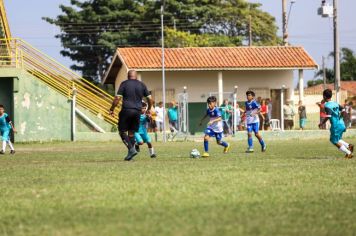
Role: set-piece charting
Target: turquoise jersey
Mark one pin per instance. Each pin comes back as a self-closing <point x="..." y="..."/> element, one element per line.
<point x="5" y="122"/>
<point x="333" y="110"/>
<point x="173" y="114"/>
<point x="143" y="122"/>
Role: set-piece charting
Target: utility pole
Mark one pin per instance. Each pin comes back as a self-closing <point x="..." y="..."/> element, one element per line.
<point x="336" y="52"/>
<point x="250" y="31"/>
<point x="324" y="72"/>
<point x="285" y="22"/>
<point x="163" y="77"/>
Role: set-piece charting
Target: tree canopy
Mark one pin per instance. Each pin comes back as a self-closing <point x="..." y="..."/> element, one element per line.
<point x="347" y="69"/>
<point x="91" y="30"/>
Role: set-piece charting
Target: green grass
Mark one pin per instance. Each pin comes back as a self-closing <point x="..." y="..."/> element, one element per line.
<point x="296" y="188"/>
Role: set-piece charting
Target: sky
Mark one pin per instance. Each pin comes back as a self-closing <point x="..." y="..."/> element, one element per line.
<point x="306" y="28"/>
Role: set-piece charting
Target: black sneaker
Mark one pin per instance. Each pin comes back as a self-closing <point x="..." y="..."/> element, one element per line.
<point x="2" y="152"/>
<point x="153" y="156"/>
<point x="351" y="148"/>
<point x="137" y="147"/>
<point x="132" y="153"/>
<point x="12" y="152"/>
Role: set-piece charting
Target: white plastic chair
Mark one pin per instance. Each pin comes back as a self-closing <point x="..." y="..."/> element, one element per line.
<point x="275" y="124"/>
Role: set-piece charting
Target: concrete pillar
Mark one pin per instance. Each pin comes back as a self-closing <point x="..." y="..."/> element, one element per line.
<point x="301" y="85"/>
<point x="220" y="88"/>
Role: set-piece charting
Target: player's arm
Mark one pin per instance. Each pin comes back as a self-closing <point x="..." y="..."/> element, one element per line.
<point x="202" y="119"/>
<point x="328" y="115"/>
<point x="8" y="120"/>
<point x="148" y="98"/>
<point x="215" y="120"/>
<point x="114" y="104"/>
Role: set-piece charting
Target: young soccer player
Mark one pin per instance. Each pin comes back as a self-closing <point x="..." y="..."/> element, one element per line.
<point x="334" y="114"/>
<point x="142" y="136"/>
<point x="215" y="127"/>
<point x="253" y="121"/>
<point x="5" y="128"/>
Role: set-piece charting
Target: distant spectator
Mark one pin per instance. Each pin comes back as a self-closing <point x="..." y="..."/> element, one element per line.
<point x="289" y="114"/>
<point x="347" y="115"/>
<point x="159" y="116"/>
<point x="322" y="113"/>
<point x="264" y="114"/>
<point x="173" y="117"/>
<point x="302" y="115"/>
<point x="238" y="118"/>
<point x="226" y="111"/>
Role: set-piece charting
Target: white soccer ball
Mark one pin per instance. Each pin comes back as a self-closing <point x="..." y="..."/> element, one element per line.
<point x="195" y="153"/>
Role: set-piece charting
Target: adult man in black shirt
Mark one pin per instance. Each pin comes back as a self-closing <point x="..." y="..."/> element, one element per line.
<point x="131" y="93"/>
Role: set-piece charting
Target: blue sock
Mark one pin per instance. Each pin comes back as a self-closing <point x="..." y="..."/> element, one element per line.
<point x="224" y="144"/>
<point x="206" y="146"/>
<point x="262" y="142"/>
<point x="250" y="142"/>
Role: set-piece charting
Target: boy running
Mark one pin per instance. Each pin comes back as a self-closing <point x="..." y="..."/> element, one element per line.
<point x="334" y="114"/>
<point x="5" y="128"/>
<point x="142" y="136"/>
<point x="252" y="121"/>
<point x="215" y="126"/>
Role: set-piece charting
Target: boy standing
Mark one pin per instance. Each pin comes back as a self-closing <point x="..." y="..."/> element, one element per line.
<point x="334" y="114"/>
<point x="302" y="115"/>
<point x="215" y="126"/>
<point x="173" y="118"/>
<point x="5" y="128"/>
<point x="142" y="136"/>
<point x="252" y="121"/>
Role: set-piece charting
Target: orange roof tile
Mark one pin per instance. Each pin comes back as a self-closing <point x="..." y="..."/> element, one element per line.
<point x="349" y="86"/>
<point x="217" y="58"/>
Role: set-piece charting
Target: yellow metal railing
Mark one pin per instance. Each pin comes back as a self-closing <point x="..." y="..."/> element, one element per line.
<point x="4" y="22"/>
<point x="23" y="55"/>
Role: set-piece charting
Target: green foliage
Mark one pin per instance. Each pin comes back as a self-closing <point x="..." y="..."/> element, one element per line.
<point x="91" y="30"/>
<point x="298" y="187"/>
<point x="347" y="69"/>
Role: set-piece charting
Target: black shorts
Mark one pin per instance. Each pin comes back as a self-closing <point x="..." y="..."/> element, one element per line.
<point x="129" y="120"/>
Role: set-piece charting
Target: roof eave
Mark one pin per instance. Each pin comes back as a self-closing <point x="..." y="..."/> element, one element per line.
<point x="224" y="69"/>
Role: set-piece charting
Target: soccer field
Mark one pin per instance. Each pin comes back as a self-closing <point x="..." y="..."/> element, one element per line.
<point x="295" y="188"/>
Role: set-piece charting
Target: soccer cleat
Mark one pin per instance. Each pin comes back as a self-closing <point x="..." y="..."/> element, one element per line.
<point x="264" y="148"/>
<point x="249" y="150"/>
<point x="131" y="154"/>
<point x="226" y="149"/>
<point x="349" y="156"/>
<point x="137" y="147"/>
<point x="12" y="152"/>
<point x="2" y="152"/>
<point x="351" y="148"/>
<point x="153" y="156"/>
<point x="205" y="155"/>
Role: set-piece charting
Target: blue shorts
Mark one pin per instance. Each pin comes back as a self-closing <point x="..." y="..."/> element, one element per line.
<point x="336" y="134"/>
<point x="142" y="138"/>
<point x="254" y="127"/>
<point x="5" y="134"/>
<point x="212" y="133"/>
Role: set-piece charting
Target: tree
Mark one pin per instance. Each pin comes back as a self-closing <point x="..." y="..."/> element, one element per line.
<point x="91" y="30"/>
<point x="347" y="69"/>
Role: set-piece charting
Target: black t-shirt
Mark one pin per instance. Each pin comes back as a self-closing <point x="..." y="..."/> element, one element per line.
<point x="132" y="92"/>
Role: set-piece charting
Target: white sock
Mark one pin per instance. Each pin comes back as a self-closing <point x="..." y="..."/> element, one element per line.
<point x="345" y="150"/>
<point x="344" y="143"/>
<point x="10" y="145"/>
<point x="4" y="146"/>
<point x="152" y="151"/>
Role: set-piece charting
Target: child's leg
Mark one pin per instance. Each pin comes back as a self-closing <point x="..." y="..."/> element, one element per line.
<point x="3" y="146"/>
<point x="249" y="140"/>
<point x="10" y="145"/>
<point x="343" y="148"/>
<point x="206" y="143"/>
<point x="260" y="139"/>
<point x="219" y="140"/>
<point x="344" y="143"/>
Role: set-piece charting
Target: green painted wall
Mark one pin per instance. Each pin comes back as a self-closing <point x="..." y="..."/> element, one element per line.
<point x="196" y="112"/>
<point x="40" y="113"/>
<point x="82" y="126"/>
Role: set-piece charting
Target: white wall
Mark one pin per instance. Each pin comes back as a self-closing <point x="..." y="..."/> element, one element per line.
<point x="200" y="83"/>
